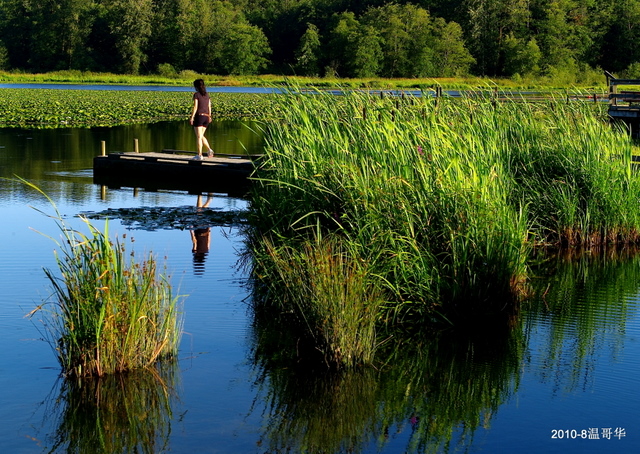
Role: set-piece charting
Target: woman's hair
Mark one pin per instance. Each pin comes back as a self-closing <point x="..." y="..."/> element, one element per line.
<point x="199" y="85"/>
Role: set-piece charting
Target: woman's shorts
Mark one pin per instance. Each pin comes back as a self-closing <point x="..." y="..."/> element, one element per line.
<point x="201" y="120"/>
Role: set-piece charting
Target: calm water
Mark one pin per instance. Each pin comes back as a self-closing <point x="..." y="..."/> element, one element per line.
<point x="568" y="364"/>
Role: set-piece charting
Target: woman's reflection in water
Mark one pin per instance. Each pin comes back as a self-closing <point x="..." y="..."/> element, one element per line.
<point x="201" y="238"/>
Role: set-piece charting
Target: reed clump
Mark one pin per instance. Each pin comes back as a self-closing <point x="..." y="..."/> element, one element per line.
<point x="443" y="198"/>
<point x="328" y="292"/>
<point x="109" y="311"/>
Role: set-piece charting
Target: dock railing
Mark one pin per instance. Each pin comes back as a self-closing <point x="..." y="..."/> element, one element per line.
<point x="624" y="104"/>
<point x="617" y="96"/>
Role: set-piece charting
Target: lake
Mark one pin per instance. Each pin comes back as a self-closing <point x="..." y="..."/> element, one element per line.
<point x="561" y="375"/>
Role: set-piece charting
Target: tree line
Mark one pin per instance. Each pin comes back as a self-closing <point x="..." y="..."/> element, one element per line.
<point x="344" y="38"/>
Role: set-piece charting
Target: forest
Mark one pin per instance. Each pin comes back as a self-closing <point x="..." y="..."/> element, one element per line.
<point x="333" y="38"/>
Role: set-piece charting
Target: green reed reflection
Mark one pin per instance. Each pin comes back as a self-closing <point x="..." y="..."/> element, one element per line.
<point x="117" y="413"/>
<point x="433" y="391"/>
<point x="426" y="388"/>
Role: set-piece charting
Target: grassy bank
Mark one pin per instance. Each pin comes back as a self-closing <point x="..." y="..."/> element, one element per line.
<point x="440" y="201"/>
<point x="591" y="80"/>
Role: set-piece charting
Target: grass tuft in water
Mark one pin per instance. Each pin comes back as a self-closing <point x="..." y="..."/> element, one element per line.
<point x="109" y="311"/>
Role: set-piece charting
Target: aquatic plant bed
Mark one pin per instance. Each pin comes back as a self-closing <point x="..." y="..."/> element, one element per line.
<point x="54" y="108"/>
<point x="433" y="204"/>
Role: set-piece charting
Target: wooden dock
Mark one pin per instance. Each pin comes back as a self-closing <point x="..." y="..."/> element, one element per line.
<point x="174" y="170"/>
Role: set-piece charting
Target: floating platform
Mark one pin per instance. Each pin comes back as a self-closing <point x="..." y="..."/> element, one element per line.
<point x="175" y="170"/>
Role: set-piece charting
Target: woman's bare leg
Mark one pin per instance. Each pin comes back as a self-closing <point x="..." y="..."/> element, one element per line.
<point x="201" y="140"/>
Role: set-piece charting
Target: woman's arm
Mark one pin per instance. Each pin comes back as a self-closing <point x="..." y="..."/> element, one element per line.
<point x="195" y="109"/>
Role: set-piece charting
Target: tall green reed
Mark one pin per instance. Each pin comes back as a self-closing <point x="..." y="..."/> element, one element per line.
<point x="443" y="198"/>
<point x="109" y="312"/>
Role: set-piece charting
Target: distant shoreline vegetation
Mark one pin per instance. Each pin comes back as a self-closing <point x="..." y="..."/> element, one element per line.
<point x="344" y="38"/>
<point x="586" y="80"/>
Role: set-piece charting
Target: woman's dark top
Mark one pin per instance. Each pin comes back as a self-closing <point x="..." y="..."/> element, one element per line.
<point x="202" y="117"/>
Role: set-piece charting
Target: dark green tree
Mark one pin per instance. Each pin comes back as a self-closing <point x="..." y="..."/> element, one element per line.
<point x="243" y="49"/>
<point x="487" y="23"/>
<point x="60" y="30"/>
<point x="416" y="45"/>
<point x="196" y="23"/>
<point x="367" y="52"/>
<point x="46" y="35"/>
<point x="342" y="42"/>
<point x="163" y="46"/>
<point x="308" y="52"/>
<point x="520" y="56"/>
<point x="391" y="21"/>
<point x="621" y="35"/>
<point x="4" y="57"/>
<point x="451" y="56"/>
<point x="129" y="26"/>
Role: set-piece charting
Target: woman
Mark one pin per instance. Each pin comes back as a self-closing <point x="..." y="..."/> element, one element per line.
<point x="201" y="117"/>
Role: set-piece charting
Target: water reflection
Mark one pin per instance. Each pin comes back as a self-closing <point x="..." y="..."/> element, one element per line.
<point x="61" y="160"/>
<point x="117" y="413"/>
<point x="200" y="236"/>
<point x="586" y="299"/>
<point x="433" y="393"/>
<point x="423" y="392"/>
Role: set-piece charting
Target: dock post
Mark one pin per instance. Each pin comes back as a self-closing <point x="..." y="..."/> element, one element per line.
<point x="104" y="148"/>
<point x="135" y="146"/>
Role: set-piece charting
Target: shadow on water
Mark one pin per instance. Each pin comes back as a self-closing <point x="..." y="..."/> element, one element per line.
<point x="433" y="392"/>
<point x="116" y="413"/>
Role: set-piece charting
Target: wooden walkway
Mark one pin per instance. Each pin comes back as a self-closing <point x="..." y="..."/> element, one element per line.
<point x="624" y="105"/>
<point x="174" y="169"/>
